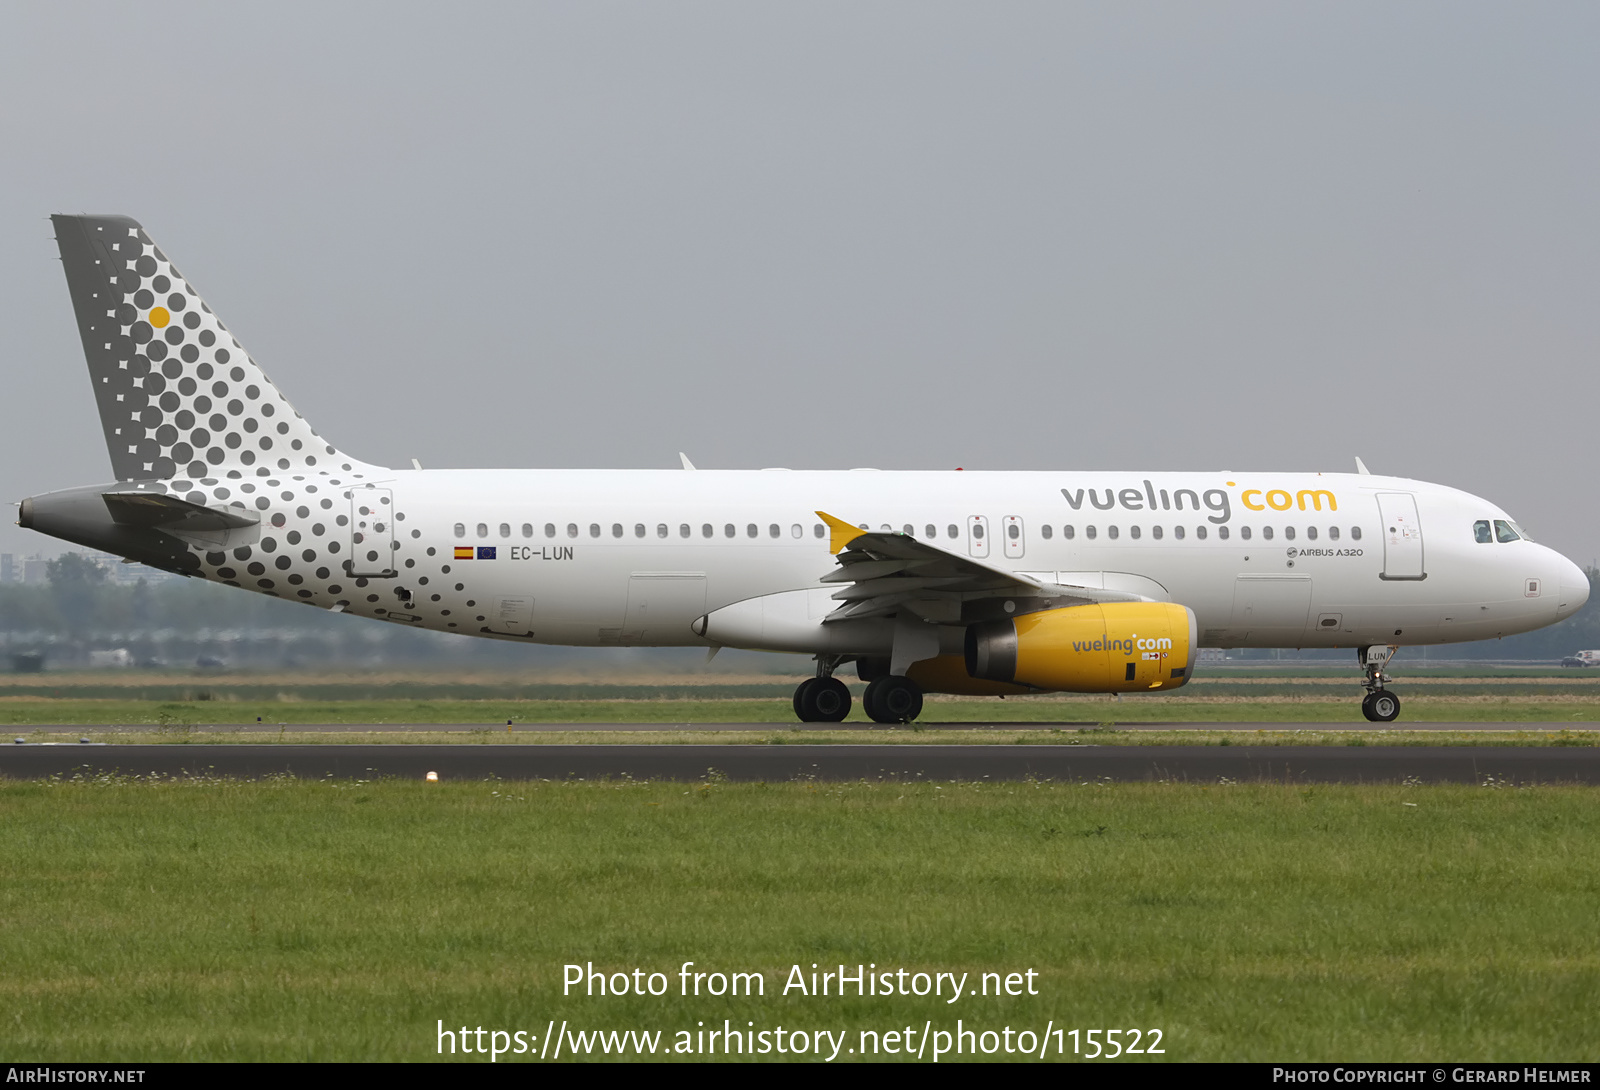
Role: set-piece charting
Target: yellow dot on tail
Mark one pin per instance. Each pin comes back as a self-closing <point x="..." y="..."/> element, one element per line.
<point x="159" y="317"/>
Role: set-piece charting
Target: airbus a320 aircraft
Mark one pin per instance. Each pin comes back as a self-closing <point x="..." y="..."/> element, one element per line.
<point x="952" y="582"/>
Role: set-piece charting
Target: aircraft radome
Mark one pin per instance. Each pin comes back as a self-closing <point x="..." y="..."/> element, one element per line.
<point x="953" y="582"/>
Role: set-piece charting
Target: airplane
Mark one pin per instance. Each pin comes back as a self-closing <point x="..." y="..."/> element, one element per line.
<point x="978" y="583"/>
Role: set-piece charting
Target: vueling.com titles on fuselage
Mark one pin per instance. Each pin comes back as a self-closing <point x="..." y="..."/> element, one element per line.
<point x="1151" y="498"/>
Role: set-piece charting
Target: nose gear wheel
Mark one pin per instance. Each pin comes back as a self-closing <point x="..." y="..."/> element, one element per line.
<point x="1379" y="705"/>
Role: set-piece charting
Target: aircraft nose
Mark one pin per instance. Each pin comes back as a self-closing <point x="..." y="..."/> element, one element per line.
<point x="1574" y="584"/>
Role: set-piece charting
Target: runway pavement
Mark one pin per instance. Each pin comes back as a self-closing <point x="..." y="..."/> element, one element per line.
<point x="773" y="763"/>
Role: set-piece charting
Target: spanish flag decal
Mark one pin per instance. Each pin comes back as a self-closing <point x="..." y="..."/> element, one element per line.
<point x="463" y="552"/>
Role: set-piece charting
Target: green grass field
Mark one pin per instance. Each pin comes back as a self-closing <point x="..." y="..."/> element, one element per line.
<point x="290" y="921"/>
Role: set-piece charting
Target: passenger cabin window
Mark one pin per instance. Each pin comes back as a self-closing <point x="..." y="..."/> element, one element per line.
<point x="1504" y="531"/>
<point x="951" y="532"/>
<point x="572" y="529"/>
<point x="461" y="529"/>
<point x="661" y="529"/>
<point x="616" y="529"/>
<point x="752" y="530"/>
<point x="505" y="529"/>
<point x="1177" y="532"/>
<point x="1069" y="532"/>
<point x="1089" y="532"/>
<point x="1112" y="532"/>
<point x="527" y="529"/>
<point x="1155" y="532"/>
<point x="1133" y="532"/>
<point x="1266" y="533"/>
<point x="819" y="530"/>
<point x="727" y="529"/>
<point x="930" y="531"/>
<point x="1288" y="533"/>
<point x="1480" y="532"/>
<point x="683" y="529"/>
<point x="549" y="529"/>
<point x="1013" y="531"/>
<point x="796" y="531"/>
<point x="483" y="529"/>
<point x="1355" y="533"/>
<point x="1311" y="533"/>
<point x="594" y="529"/>
<point x="1046" y="530"/>
<point x="1333" y="533"/>
<point x="1244" y="532"/>
<point x="638" y="529"/>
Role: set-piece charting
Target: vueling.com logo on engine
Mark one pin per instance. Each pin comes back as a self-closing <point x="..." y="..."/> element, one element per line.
<point x="1127" y="647"/>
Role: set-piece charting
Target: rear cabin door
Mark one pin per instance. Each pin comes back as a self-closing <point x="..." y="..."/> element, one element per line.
<point x="371" y="533"/>
<point x="1402" y="536"/>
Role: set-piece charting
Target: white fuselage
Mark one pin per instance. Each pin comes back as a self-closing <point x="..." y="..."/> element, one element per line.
<point x="603" y="557"/>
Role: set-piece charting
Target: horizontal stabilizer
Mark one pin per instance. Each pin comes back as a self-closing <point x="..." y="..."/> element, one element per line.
<point x="160" y="512"/>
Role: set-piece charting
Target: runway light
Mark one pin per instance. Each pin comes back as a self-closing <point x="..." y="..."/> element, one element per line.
<point x="432" y="777"/>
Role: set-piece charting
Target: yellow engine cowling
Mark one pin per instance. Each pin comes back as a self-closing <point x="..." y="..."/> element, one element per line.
<point x="1118" y="647"/>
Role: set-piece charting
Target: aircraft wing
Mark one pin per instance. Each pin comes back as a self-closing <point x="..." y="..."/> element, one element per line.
<point x="884" y="572"/>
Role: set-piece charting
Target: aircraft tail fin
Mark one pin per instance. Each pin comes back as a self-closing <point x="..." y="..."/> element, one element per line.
<point x="178" y="395"/>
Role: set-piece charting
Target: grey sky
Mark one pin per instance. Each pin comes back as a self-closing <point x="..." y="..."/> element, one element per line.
<point x="1142" y="236"/>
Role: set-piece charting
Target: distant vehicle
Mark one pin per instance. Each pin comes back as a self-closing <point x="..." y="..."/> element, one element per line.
<point x="1582" y="658"/>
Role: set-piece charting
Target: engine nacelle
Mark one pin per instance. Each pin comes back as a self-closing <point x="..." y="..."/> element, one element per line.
<point x="1118" y="647"/>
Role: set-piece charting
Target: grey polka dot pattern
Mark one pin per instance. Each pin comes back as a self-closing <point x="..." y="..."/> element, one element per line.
<point x="178" y="395"/>
<point x="188" y="413"/>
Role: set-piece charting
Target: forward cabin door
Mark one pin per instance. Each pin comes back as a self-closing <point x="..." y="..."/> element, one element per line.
<point x="1402" y="536"/>
<point x="371" y="533"/>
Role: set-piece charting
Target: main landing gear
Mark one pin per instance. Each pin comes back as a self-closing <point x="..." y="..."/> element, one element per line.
<point x="892" y="699"/>
<point x="1379" y="705"/>
<point x="889" y="698"/>
<point x="822" y="700"/>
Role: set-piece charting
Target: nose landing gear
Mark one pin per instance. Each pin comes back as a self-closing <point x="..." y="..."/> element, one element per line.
<point x="1379" y="705"/>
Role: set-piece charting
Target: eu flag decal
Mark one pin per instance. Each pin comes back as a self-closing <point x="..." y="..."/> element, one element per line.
<point x="486" y="552"/>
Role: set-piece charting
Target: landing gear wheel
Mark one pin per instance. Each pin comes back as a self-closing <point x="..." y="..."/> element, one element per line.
<point x="805" y="711"/>
<point x="893" y="699"/>
<point x="830" y="701"/>
<point x="821" y="700"/>
<point x="1381" y="707"/>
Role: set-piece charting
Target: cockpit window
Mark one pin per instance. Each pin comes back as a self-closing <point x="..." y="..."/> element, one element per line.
<point x="1480" y="532"/>
<point x="1505" y="531"/>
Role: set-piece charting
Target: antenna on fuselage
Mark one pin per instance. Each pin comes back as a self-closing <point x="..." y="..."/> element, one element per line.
<point x="1361" y="467"/>
<point x="684" y="458"/>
